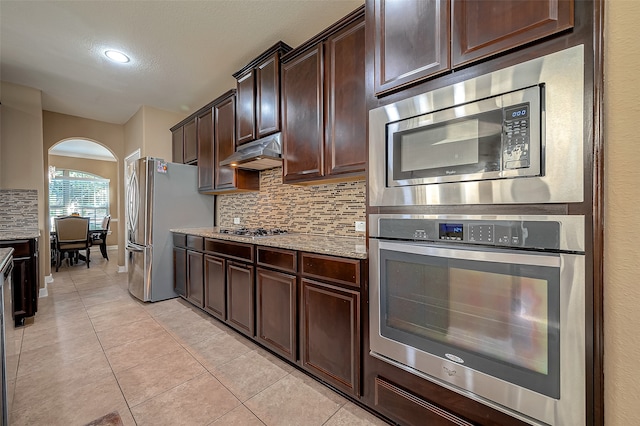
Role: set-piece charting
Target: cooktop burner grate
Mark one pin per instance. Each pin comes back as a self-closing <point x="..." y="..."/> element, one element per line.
<point x="254" y="232"/>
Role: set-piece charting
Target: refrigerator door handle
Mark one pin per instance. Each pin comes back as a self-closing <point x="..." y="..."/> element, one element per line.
<point x="131" y="247"/>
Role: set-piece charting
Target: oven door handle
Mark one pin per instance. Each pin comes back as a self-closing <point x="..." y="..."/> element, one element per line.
<point x="487" y="255"/>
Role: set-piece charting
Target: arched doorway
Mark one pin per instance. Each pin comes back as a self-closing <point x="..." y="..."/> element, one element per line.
<point x="83" y="177"/>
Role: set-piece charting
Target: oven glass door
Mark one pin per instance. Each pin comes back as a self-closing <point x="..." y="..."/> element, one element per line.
<point x="497" y="312"/>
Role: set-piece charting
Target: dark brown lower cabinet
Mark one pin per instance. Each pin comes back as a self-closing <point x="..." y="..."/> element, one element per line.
<point x="180" y="271"/>
<point x="195" y="278"/>
<point x="276" y="296"/>
<point x="24" y="278"/>
<point x="215" y="286"/>
<point x="330" y="334"/>
<point x="241" y="298"/>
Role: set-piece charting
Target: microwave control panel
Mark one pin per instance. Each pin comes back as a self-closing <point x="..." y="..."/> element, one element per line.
<point x="516" y="137"/>
<point x="523" y="234"/>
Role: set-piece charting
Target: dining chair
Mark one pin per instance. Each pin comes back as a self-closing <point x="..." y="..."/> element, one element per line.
<point x="100" y="239"/>
<point x="72" y="235"/>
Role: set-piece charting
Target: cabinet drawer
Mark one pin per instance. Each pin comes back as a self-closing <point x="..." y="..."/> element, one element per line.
<point x="21" y="248"/>
<point x="407" y="408"/>
<point x="194" y="242"/>
<point x="285" y="260"/>
<point x="340" y="270"/>
<point x="230" y="249"/>
<point x="179" y="240"/>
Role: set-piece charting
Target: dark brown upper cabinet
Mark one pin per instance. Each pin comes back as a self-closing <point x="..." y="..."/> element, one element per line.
<point x="204" y="121"/>
<point x="184" y="141"/>
<point x="229" y="179"/>
<point x="177" y="144"/>
<point x="484" y="28"/>
<point x="323" y="105"/>
<point x="411" y="41"/>
<point x="258" y="95"/>
<point x="190" y="142"/>
<point x="414" y="39"/>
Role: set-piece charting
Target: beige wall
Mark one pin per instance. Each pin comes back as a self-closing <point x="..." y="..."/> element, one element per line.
<point x="622" y="217"/>
<point x="59" y="127"/>
<point x="148" y="130"/>
<point x="104" y="169"/>
<point x="22" y="163"/>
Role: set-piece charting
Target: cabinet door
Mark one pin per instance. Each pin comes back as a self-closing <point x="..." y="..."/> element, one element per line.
<point x="190" y="142"/>
<point x="268" y="96"/>
<point x="195" y="278"/>
<point x="215" y="286"/>
<point x="21" y="280"/>
<point x="302" y="116"/>
<point x="276" y="296"/>
<point x="241" y="298"/>
<point x="225" y="141"/>
<point x="205" y="151"/>
<point x="346" y="112"/>
<point x="180" y="271"/>
<point x="483" y="28"/>
<point x="411" y="41"/>
<point x="177" y="145"/>
<point x="245" y="120"/>
<point x="330" y="334"/>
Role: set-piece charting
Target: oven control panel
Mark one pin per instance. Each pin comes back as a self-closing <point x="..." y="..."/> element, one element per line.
<point x="523" y="234"/>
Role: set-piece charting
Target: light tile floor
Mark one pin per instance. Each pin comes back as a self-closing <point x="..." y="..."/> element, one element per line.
<point x="93" y="349"/>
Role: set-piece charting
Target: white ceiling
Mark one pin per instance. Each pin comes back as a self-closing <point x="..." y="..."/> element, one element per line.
<point x="183" y="52"/>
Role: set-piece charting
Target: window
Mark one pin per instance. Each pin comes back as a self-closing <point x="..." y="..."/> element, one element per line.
<point x="72" y="191"/>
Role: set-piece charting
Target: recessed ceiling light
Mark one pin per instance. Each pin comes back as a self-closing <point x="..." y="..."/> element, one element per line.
<point x="116" y="56"/>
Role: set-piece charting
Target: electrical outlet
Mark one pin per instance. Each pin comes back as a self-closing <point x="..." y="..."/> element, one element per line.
<point x="236" y="221"/>
<point x="361" y="226"/>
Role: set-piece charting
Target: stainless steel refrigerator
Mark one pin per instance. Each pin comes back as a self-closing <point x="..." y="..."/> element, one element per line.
<point x="160" y="196"/>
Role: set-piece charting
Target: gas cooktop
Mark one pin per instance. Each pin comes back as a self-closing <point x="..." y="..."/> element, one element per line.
<point x="254" y="232"/>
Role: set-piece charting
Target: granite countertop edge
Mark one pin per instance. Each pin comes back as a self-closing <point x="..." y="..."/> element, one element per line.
<point x="351" y="247"/>
<point x="19" y="234"/>
<point x="5" y="257"/>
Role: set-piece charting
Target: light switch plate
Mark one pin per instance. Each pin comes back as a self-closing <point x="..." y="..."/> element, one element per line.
<point x="361" y="226"/>
<point x="236" y="221"/>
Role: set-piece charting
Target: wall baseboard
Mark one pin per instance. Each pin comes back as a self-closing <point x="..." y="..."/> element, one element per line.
<point x="122" y="269"/>
<point x="43" y="291"/>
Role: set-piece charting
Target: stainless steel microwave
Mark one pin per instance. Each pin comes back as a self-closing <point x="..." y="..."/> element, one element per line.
<point x="512" y="136"/>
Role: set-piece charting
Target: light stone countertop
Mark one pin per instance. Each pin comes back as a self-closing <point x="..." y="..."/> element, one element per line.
<point x="351" y="247"/>
<point x="8" y="234"/>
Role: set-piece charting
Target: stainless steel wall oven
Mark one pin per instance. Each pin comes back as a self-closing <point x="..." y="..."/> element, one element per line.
<point x="491" y="307"/>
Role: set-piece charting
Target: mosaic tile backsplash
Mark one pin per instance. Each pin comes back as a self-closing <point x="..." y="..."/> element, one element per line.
<point x="329" y="209"/>
<point x="18" y="208"/>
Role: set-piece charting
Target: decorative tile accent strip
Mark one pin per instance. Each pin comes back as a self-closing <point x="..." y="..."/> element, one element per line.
<point x="18" y="208"/>
<point x="329" y="209"/>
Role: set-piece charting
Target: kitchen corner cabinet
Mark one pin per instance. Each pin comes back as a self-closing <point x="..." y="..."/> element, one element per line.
<point x="258" y="91"/>
<point x="24" y="278"/>
<point x="414" y="39"/>
<point x="184" y="142"/>
<point x="330" y="320"/>
<point x="323" y="105"/>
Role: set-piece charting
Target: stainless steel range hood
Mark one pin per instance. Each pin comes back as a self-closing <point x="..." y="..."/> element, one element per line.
<point x="265" y="153"/>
